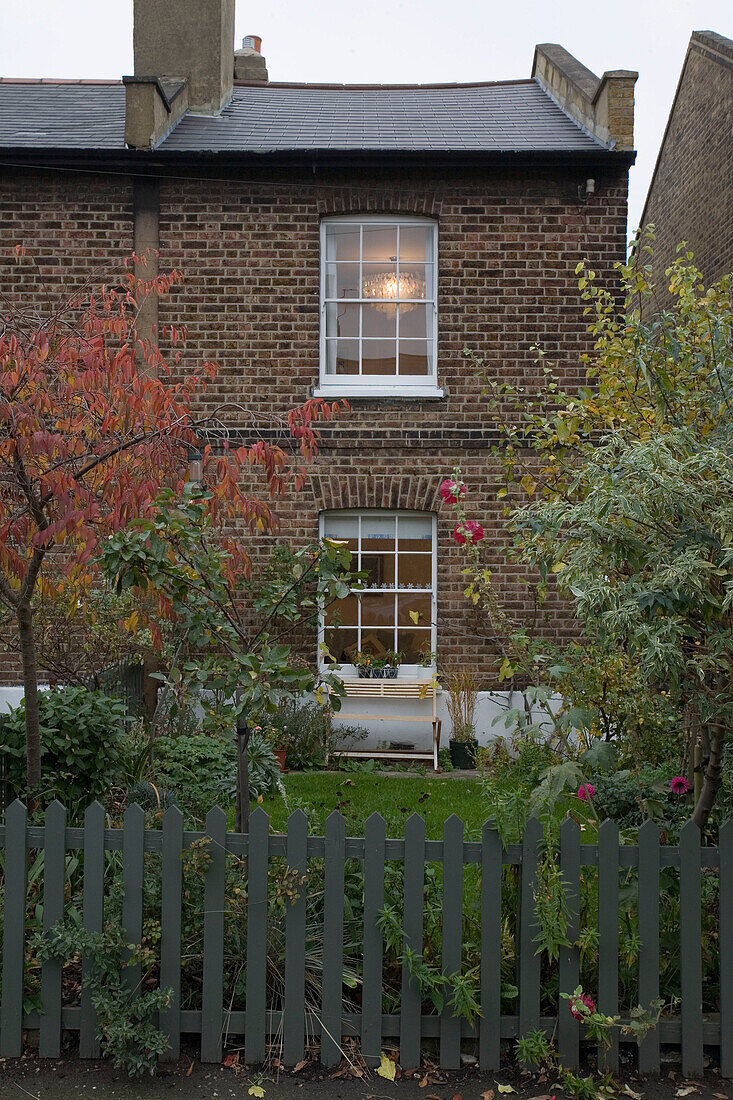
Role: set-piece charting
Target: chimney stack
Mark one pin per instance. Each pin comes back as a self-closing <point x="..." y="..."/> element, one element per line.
<point x="249" y="64"/>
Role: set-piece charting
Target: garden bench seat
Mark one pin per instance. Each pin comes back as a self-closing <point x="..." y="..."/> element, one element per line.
<point x="421" y="691"/>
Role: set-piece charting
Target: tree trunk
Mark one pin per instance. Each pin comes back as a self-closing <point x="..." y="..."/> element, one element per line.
<point x="242" y="799"/>
<point x="713" y="776"/>
<point x="30" y="691"/>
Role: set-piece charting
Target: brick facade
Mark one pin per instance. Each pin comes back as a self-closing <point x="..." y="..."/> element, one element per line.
<point x="509" y="241"/>
<point x="691" y="194"/>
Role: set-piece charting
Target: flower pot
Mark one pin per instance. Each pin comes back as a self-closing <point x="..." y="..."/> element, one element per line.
<point x="279" y="755"/>
<point x="384" y="673"/>
<point x="365" y="673"/>
<point x="463" y="754"/>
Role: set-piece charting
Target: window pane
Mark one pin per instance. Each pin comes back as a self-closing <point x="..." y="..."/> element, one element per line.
<point x="379" y="527"/>
<point x="379" y="357"/>
<point x="342" y="280"/>
<point x="415" y="242"/>
<point x="342" y="320"/>
<point x="409" y="606"/>
<point x="340" y="527"/>
<point x="342" y="643"/>
<point x="415" y="527"/>
<point x="380" y="242"/>
<point x="380" y="567"/>
<point x="377" y="609"/>
<point x="416" y="358"/>
<point x="342" y="242"/>
<point x="343" y="612"/>
<point x="413" y="645"/>
<point x="415" y="321"/>
<point x="379" y="321"/>
<point x="377" y="641"/>
<point x="379" y="281"/>
<point x="415" y="570"/>
<point x="342" y="357"/>
<point x="415" y="281"/>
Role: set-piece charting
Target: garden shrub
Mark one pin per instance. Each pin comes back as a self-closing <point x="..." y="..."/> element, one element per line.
<point x="307" y="733"/>
<point x="82" y="746"/>
<point x="198" y="767"/>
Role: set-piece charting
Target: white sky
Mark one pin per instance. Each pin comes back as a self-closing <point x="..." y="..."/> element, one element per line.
<point x="398" y="41"/>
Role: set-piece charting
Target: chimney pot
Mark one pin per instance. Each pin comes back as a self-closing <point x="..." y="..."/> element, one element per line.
<point x="252" y="42"/>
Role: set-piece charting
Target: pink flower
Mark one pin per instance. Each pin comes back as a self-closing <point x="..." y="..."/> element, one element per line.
<point x="586" y="791"/>
<point x="575" y="1009"/>
<point x="470" y="530"/>
<point x="450" y="490"/>
<point x="679" y="785"/>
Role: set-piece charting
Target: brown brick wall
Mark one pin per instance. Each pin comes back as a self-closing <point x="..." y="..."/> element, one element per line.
<point x="508" y="246"/>
<point x="691" y="195"/>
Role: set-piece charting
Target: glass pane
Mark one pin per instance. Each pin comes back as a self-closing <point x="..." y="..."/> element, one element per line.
<point x="380" y="242"/>
<point x="413" y="645"/>
<point x="377" y="609"/>
<point x="343" y="612"/>
<point x="377" y="641"/>
<point x="379" y="357"/>
<point x="415" y="527"/>
<point x="409" y="606"/>
<point x="342" y="242"/>
<point x="342" y="643"/>
<point x="342" y="357"/>
<point x="342" y="320"/>
<point x="415" y="570"/>
<point x="342" y="281"/>
<point x="416" y="242"/>
<point x="415" y="321"/>
<point x="416" y="358"/>
<point x="340" y="527"/>
<point x="379" y="321"/>
<point x="380" y="567"/>
<point x="379" y="281"/>
<point x="379" y="527"/>
<point x="415" y="281"/>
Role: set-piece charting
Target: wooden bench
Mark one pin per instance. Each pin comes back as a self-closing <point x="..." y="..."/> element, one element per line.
<point x="423" y="691"/>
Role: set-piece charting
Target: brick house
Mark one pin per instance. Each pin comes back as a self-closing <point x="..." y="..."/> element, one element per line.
<point x="690" y="197"/>
<point x="348" y="241"/>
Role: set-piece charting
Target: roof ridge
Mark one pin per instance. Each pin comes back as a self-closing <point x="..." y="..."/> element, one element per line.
<point x="52" y="80"/>
<point x="378" y="87"/>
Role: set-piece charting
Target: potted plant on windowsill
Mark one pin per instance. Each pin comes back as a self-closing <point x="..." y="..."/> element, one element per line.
<point x="391" y="663"/>
<point x="462" y="688"/>
<point x="364" y="663"/>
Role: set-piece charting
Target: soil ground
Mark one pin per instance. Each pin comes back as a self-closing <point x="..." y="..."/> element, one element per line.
<point x="69" y="1079"/>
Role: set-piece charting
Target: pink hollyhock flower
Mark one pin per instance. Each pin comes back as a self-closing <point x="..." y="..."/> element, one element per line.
<point x="575" y="1009"/>
<point x="586" y="791"/>
<point x="470" y="530"/>
<point x="679" y="785"/>
<point x="450" y="490"/>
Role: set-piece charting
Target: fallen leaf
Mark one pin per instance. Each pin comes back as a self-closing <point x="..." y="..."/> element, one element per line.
<point x="189" y="1071"/>
<point x="231" y="1060"/>
<point x="628" y="1091"/>
<point x="300" y="1066"/>
<point x="457" y="1096"/>
<point x="386" y="1068"/>
<point x="542" y="1096"/>
<point x="357" y="1071"/>
<point x="686" y="1091"/>
<point x="256" y="1090"/>
<point x="721" y="1096"/>
<point x="432" y="1096"/>
<point x="505" y="1088"/>
<point x="424" y="1082"/>
<point x="488" y="1095"/>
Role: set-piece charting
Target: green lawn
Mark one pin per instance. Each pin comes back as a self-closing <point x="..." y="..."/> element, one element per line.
<point x="395" y="797"/>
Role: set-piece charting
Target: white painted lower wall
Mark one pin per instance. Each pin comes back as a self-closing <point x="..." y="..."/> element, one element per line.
<point x="11" y="697"/>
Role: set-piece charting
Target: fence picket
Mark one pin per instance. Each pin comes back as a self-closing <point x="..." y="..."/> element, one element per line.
<point x="725" y="925"/>
<point x="649" y="938"/>
<point x="54" y="868"/>
<point x="690" y="950"/>
<point x="133" y="843"/>
<point x="212" y="993"/>
<point x="333" y="939"/>
<point x="452" y="942"/>
<point x="490" y="1022"/>
<point x="529" y="960"/>
<point x="569" y="965"/>
<point x="294" y="1002"/>
<point x="412" y="923"/>
<point x="371" y="998"/>
<point x="93" y="916"/>
<point x="608" y="935"/>
<point x="16" y="877"/>
<point x="255" y="1040"/>
<point x="171" y="871"/>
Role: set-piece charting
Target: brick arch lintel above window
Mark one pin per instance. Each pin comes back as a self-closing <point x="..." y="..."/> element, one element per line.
<point x="405" y="492"/>
<point x="392" y="201"/>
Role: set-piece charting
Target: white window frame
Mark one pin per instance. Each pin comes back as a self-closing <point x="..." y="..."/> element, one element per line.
<point x="410" y="671"/>
<point x="331" y="385"/>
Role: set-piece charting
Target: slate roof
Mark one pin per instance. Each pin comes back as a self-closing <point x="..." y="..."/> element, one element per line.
<point x="513" y="117"/>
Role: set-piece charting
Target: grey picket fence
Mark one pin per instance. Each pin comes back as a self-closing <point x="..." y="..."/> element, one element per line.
<point x="298" y="1024"/>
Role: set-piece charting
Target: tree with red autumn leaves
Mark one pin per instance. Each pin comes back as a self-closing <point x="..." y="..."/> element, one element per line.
<point x="92" y="429"/>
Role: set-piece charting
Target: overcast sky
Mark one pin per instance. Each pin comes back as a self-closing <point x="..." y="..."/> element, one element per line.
<point x="402" y="41"/>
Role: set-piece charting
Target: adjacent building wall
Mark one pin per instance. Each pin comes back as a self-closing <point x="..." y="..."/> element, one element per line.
<point x="691" y="194"/>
